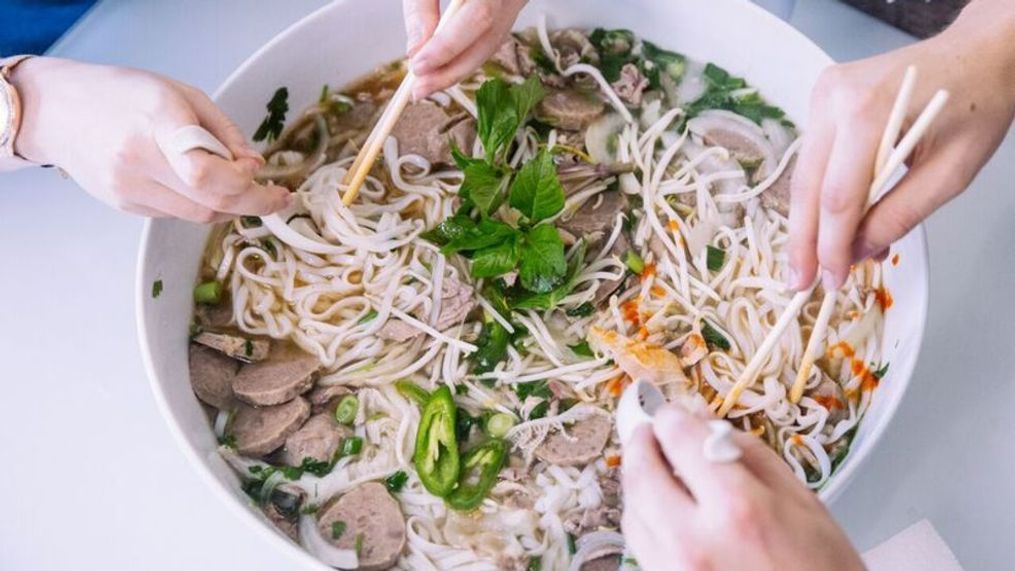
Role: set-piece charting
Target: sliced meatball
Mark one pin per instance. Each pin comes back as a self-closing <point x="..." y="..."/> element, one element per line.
<point x="239" y="348"/>
<point x="777" y="196"/>
<point x="286" y="373"/>
<point x="577" y="445"/>
<point x="318" y="440"/>
<point x="570" y="109"/>
<point x="260" y="430"/>
<point x="370" y="513"/>
<point x="427" y="130"/>
<point x="211" y="376"/>
<point x="325" y="399"/>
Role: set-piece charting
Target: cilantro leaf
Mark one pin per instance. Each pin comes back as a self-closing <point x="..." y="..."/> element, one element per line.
<point x="713" y="338"/>
<point x="542" y="259"/>
<point x="582" y="349"/>
<point x="715" y="258"/>
<point x="496" y="260"/>
<point x="271" y="127"/>
<point x="536" y="190"/>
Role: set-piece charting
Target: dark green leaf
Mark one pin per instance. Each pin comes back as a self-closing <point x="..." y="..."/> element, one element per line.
<point x="528" y="300"/>
<point x="498" y="120"/>
<point x="713" y="338"/>
<point x="658" y="61"/>
<point x="351" y="446"/>
<point x="582" y="349"/>
<point x="584" y="310"/>
<point x="494" y="293"/>
<point x="715" y="258"/>
<point x="615" y="50"/>
<point x="722" y="79"/>
<point x="536" y="190"/>
<point x="539" y="389"/>
<point x="395" y="482"/>
<point x="879" y="371"/>
<point x="543" y="265"/>
<point x="539" y="411"/>
<point x="483" y="235"/>
<point x="484" y="185"/>
<point x="491" y="347"/>
<point x="271" y="127"/>
<point x="526" y="96"/>
<point x="450" y="229"/>
<point x="156" y="288"/>
<point x="496" y="260"/>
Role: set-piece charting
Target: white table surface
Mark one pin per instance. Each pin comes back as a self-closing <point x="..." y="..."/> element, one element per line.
<point x="91" y="478"/>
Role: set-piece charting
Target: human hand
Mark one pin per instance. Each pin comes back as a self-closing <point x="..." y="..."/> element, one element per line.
<point x="752" y="514"/>
<point x="105" y="127"/>
<point x="975" y="61"/>
<point x="471" y="36"/>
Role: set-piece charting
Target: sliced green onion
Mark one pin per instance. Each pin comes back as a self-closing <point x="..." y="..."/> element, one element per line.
<point x="209" y="293"/>
<point x="715" y="258"/>
<point x="396" y="481"/>
<point x="370" y="316"/>
<point x="499" y="424"/>
<point x="337" y="529"/>
<point x="347" y="408"/>
<point x="351" y="446"/>
<point x="634" y="262"/>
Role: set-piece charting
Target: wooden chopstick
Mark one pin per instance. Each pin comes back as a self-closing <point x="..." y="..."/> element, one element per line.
<point x="890" y="164"/>
<point x="375" y="142"/>
<point x="885" y="148"/>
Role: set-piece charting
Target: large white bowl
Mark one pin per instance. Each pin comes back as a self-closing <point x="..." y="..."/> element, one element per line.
<point x="347" y="39"/>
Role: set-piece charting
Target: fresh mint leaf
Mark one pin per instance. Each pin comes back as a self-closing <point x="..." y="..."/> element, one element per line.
<point x="483" y="235"/>
<point x="715" y="258"/>
<point x="498" y="120"/>
<point x="484" y="185"/>
<point x="584" y="310"/>
<point x="542" y="259"/>
<point x="526" y="96"/>
<point x="496" y="260"/>
<point x="271" y="127"/>
<point x="450" y="229"/>
<point x="536" y="190"/>
<point x="549" y="300"/>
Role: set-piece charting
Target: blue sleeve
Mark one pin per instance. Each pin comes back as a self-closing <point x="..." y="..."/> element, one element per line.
<point x="31" y="26"/>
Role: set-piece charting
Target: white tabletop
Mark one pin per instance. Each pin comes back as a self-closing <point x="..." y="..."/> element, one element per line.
<point x="92" y="479"/>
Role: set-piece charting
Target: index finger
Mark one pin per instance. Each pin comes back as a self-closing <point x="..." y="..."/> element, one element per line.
<point x="421" y="17"/>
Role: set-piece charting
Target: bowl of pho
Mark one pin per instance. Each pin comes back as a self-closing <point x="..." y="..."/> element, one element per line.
<point x="429" y="377"/>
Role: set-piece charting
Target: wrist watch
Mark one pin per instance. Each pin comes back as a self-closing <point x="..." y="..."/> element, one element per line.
<point x="10" y="116"/>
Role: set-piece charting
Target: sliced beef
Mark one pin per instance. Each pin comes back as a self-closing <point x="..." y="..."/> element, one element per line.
<point x="285" y="524"/>
<point x="318" y="440"/>
<point x="359" y="117"/>
<point x="631" y="85"/>
<point x="215" y="316"/>
<point x="609" y="486"/>
<point x="506" y="56"/>
<point x="211" y="376"/>
<point x="573" y="46"/>
<point x="427" y="130"/>
<point x="325" y="399"/>
<point x="604" y="563"/>
<point x="239" y="348"/>
<point x="777" y="195"/>
<point x="397" y="330"/>
<point x="581" y="442"/>
<point x="570" y="109"/>
<point x="457" y="301"/>
<point x="260" y="430"/>
<point x="370" y="513"/>
<point x="597" y="215"/>
<point x="286" y="373"/>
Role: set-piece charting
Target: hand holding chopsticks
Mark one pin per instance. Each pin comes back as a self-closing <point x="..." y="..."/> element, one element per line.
<point x="888" y="161"/>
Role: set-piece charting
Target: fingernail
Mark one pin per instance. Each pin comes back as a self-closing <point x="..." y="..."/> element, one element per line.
<point x="792" y="278"/>
<point x="829" y="280"/>
<point x="421" y="65"/>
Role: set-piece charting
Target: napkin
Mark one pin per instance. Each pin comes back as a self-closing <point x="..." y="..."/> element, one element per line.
<point x="916" y="548"/>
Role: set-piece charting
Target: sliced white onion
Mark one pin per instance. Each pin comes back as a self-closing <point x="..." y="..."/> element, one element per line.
<point x="320" y="548"/>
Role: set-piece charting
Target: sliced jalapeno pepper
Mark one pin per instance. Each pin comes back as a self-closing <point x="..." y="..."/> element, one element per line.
<point x="436" y="456"/>
<point x="480" y="467"/>
<point x="412" y="391"/>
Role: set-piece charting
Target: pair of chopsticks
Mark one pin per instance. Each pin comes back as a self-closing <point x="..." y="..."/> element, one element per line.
<point x="375" y="142"/>
<point x="888" y="160"/>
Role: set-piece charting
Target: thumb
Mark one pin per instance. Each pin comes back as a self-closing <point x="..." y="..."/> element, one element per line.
<point x="924" y="189"/>
<point x="421" y="17"/>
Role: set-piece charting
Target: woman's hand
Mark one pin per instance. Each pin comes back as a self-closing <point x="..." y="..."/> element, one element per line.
<point x="745" y="515"/>
<point x="462" y="45"/>
<point x="105" y="127"/>
<point x="975" y="61"/>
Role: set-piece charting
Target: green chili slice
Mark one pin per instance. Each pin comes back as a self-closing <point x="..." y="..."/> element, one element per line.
<point x="480" y="467"/>
<point x="412" y="391"/>
<point x="436" y="456"/>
